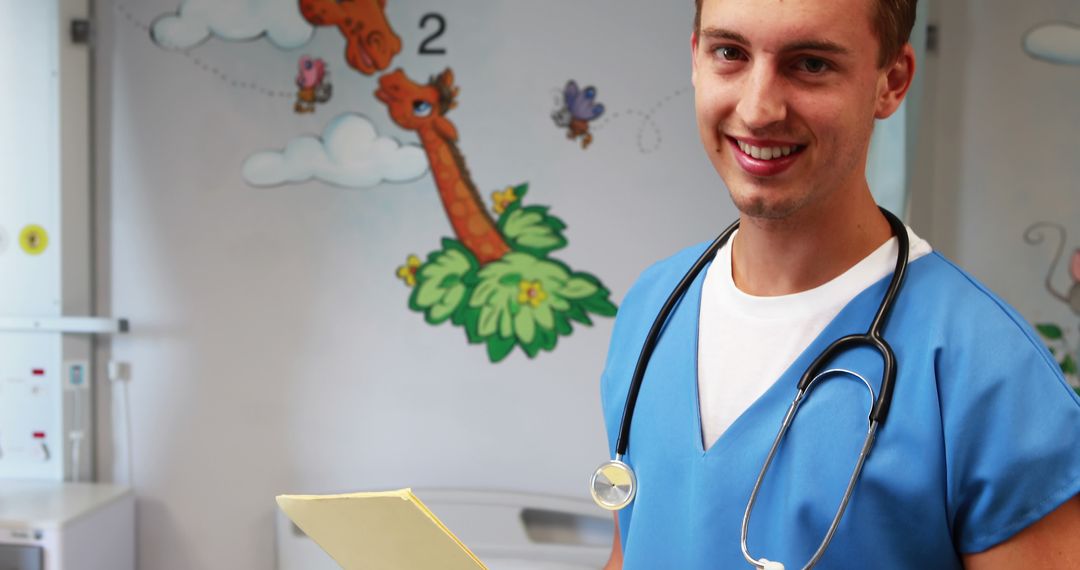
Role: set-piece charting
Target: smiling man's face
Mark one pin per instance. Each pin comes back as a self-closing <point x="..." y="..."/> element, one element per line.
<point x="786" y="93"/>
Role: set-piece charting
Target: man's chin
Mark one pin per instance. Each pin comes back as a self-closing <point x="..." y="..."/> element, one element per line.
<point x="758" y="207"/>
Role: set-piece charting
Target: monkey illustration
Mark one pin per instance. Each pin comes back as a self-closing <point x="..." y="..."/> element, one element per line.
<point x="1034" y="236"/>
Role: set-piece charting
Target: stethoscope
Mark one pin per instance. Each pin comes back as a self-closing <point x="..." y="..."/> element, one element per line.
<point x="614" y="484"/>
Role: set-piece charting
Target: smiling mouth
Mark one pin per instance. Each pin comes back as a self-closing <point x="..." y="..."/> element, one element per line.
<point x="767" y="152"/>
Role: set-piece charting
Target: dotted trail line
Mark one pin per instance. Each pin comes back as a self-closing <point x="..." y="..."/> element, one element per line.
<point x="209" y="69"/>
<point x="647" y="123"/>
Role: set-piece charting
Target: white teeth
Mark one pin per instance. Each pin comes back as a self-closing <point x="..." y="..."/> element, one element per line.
<point x="766" y="153"/>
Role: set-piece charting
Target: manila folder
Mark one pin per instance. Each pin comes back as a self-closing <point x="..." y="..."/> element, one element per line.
<point x="389" y="530"/>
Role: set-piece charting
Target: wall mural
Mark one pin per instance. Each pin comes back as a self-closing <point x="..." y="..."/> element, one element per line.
<point x="495" y="277"/>
<point x="1057" y="42"/>
<point x="350" y="153"/>
<point x="370" y="43"/>
<point x="579" y="106"/>
<point x="577" y="111"/>
<point x="1062" y="340"/>
<point x="314" y="83"/>
<point x="495" y="280"/>
<point x="195" y="21"/>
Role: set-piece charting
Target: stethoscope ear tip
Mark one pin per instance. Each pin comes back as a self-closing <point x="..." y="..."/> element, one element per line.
<point x="770" y="565"/>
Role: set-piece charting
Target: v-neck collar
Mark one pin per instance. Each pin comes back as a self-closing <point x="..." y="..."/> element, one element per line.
<point x="780" y="393"/>
<point x="771" y="395"/>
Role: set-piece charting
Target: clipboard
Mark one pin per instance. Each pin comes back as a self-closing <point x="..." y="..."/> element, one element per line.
<point x="388" y="530"/>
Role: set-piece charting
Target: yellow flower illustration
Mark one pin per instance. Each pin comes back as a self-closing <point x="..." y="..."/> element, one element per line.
<point x="503" y="199"/>
<point x="407" y="272"/>
<point x="531" y="293"/>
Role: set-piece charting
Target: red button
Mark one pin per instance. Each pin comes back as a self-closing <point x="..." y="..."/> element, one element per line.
<point x="39" y="435"/>
<point x="39" y="372"/>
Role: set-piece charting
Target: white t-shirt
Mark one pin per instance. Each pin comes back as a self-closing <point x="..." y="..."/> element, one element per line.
<point x="745" y="342"/>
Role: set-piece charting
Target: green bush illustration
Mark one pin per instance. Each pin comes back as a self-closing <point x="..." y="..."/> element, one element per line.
<point x="524" y="299"/>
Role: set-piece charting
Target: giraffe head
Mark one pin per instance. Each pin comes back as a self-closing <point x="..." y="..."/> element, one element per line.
<point x="370" y="41"/>
<point x="417" y="107"/>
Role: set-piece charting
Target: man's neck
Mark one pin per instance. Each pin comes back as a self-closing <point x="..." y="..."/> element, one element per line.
<point x="807" y="249"/>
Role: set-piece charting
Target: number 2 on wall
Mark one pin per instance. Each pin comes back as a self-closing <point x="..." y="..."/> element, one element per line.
<point x="440" y="27"/>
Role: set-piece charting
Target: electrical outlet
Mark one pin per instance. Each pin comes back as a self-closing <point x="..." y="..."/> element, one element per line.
<point x="76" y="374"/>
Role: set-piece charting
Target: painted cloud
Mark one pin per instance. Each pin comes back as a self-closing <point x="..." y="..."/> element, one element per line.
<point x="350" y="153"/>
<point x="234" y="20"/>
<point x="1058" y="42"/>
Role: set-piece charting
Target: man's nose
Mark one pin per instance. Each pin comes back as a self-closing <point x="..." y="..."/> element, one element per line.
<point x="762" y="103"/>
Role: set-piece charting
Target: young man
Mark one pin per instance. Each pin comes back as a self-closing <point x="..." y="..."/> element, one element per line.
<point x="977" y="465"/>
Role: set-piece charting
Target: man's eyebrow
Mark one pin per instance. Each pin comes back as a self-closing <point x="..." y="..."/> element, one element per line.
<point x="722" y="34"/>
<point x="824" y="46"/>
<point x="816" y="45"/>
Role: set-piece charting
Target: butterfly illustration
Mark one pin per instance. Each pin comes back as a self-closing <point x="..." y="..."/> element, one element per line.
<point x="314" y="84"/>
<point x="579" y="108"/>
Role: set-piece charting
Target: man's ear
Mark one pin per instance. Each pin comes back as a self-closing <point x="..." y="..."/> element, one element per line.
<point x="693" y="57"/>
<point x="895" y="82"/>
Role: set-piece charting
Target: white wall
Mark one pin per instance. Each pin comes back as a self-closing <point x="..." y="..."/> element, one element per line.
<point x="1003" y="155"/>
<point x="271" y="348"/>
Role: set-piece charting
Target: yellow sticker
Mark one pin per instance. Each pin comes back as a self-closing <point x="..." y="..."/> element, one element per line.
<point x="34" y="239"/>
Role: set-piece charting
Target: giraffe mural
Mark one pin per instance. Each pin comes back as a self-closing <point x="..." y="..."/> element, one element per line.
<point x="1060" y="339"/>
<point x="494" y="278"/>
<point x="423" y="109"/>
<point x="370" y="41"/>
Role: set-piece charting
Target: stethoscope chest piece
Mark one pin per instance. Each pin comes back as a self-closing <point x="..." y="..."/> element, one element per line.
<point x="613" y="485"/>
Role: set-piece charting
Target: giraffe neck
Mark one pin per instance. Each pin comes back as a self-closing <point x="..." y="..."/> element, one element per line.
<point x="472" y="224"/>
<point x="447" y="163"/>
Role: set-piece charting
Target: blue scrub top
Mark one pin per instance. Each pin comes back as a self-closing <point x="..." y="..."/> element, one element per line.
<point x="979" y="443"/>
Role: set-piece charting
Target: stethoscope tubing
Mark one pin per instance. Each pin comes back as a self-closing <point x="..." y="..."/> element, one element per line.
<point x="654" y="336"/>
<point x="873" y="338"/>
<point x="864" y="452"/>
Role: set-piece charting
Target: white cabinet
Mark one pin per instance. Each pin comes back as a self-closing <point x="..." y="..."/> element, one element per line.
<point x="49" y="525"/>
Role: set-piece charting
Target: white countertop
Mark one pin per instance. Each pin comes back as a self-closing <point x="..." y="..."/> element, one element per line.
<point x="53" y="503"/>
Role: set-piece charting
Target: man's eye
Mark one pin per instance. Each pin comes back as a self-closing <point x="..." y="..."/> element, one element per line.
<point x="813" y="65"/>
<point x="728" y="53"/>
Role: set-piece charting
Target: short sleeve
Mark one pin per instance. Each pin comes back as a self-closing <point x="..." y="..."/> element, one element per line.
<point x="1010" y="422"/>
